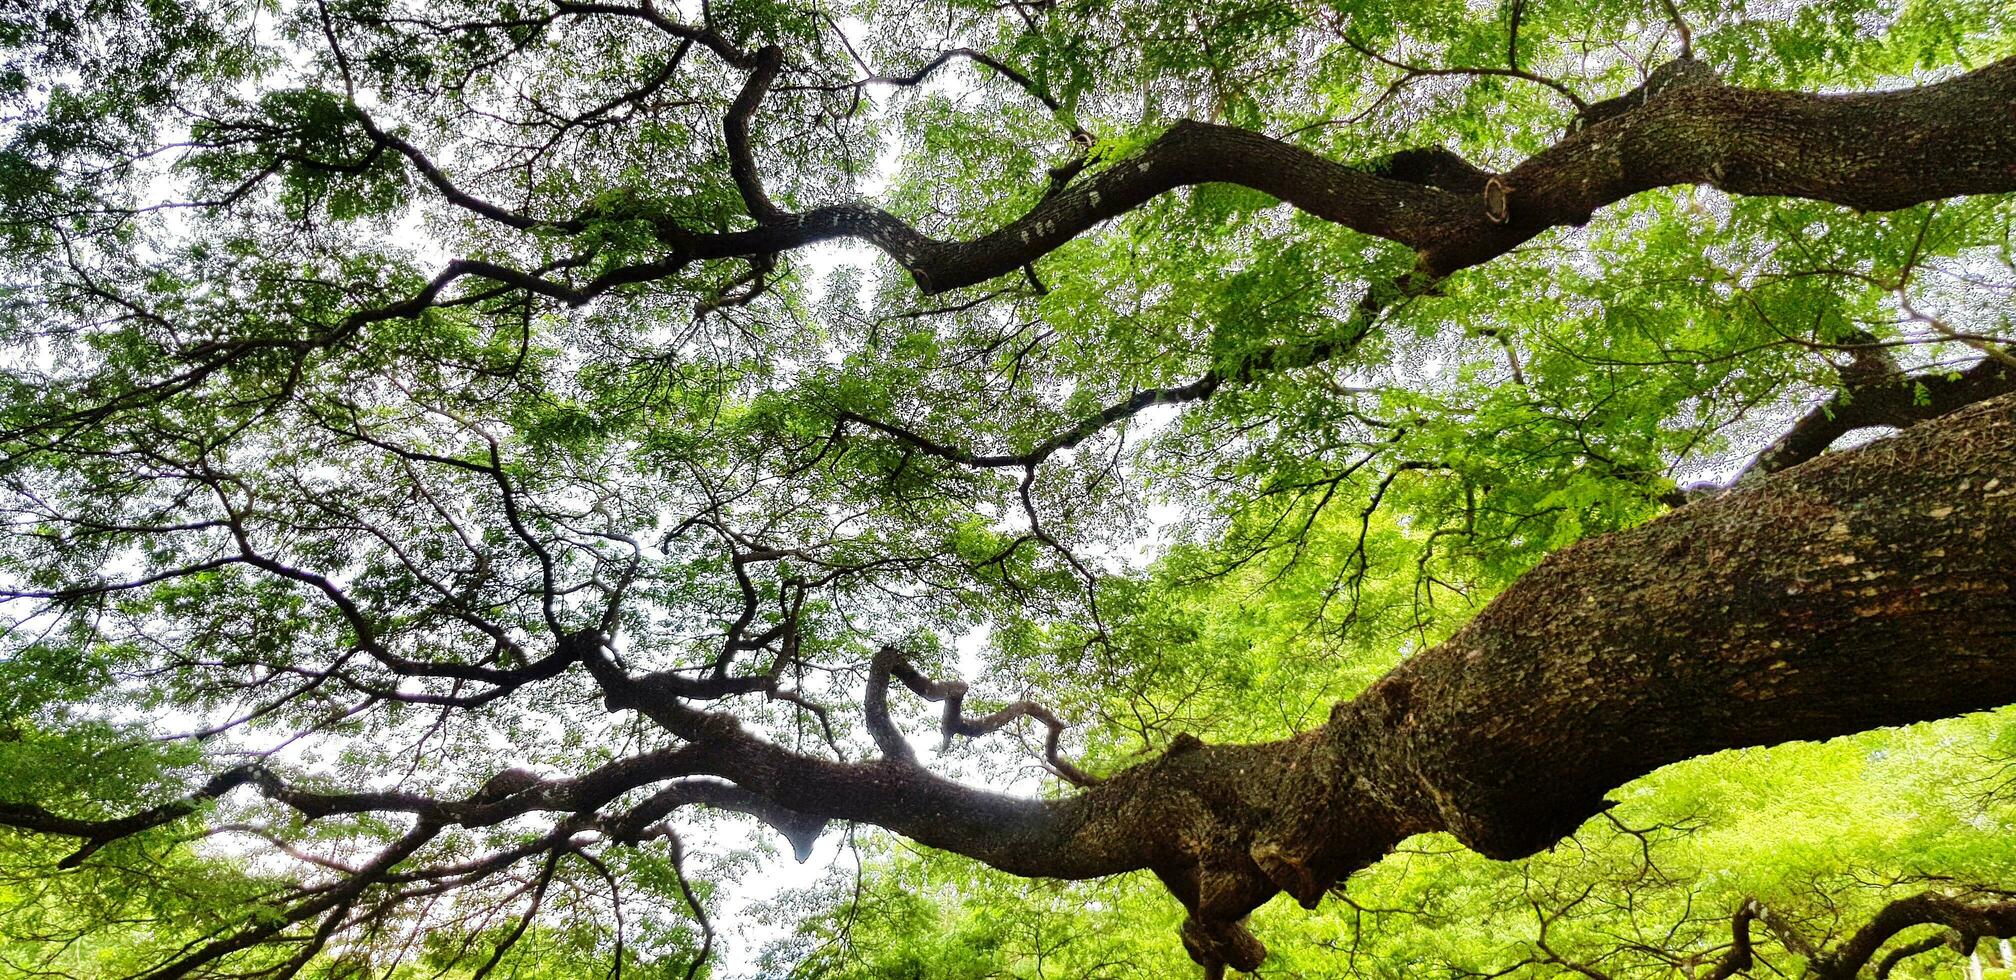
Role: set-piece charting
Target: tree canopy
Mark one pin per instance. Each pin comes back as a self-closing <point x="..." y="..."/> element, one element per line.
<point x="466" y="463"/>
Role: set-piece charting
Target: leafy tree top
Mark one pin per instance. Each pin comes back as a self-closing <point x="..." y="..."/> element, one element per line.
<point x="445" y="446"/>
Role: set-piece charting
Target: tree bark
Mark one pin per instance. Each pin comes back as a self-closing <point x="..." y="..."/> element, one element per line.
<point x="1865" y="588"/>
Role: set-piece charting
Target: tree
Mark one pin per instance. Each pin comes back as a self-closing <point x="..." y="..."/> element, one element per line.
<point x="434" y="461"/>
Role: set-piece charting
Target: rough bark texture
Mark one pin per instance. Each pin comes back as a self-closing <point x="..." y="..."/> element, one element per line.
<point x="1865" y="588"/>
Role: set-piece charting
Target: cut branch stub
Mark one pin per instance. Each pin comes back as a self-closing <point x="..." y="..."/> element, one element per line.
<point x="1497" y="203"/>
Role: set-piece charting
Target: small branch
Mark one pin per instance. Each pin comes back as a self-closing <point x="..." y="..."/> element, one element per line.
<point x="1237" y="370"/>
<point x="890" y="663"/>
<point x="1423" y="71"/>
<point x="692" y="902"/>
<point x="1945" y="329"/>
<point x="1872" y="400"/>
<point x="1680" y="24"/>
<point x="1086" y="428"/>
<point x="999" y="67"/>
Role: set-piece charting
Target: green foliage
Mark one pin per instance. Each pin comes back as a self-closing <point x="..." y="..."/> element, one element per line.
<point x="279" y="422"/>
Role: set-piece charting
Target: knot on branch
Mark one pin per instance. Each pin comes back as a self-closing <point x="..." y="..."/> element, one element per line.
<point x="508" y="782"/>
<point x="1292" y="871"/>
<point x="890" y="664"/>
<point x="1431" y="166"/>
<point x="1216" y="945"/>
<point x="1869" y="364"/>
<point x="646" y="820"/>
<point x="1680" y="73"/>
<point x="1219" y="887"/>
<point x="579" y="646"/>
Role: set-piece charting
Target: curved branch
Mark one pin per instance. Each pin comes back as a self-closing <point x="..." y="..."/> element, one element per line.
<point x="1512" y="58"/>
<point x="1086" y="428"/>
<point x="1905" y="952"/>
<point x="647" y="11"/>
<point x="946" y="57"/>
<point x="1947" y="139"/>
<point x="1968" y="917"/>
<point x="1238" y="370"/>
<point x="1741" y="955"/>
<point x="890" y="663"/>
<point x="1883" y="400"/>
<point x="735" y="130"/>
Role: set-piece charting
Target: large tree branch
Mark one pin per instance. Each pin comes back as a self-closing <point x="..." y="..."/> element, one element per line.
<point x="507" y="794"/>
<point x="1947" y="139"/>
<point x="735" y="131"/>
<point x="1952" y="138"/>
<point x="1809" y="603"/>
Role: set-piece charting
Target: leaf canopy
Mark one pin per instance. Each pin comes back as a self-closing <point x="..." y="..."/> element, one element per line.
<point x="359" y="356"/>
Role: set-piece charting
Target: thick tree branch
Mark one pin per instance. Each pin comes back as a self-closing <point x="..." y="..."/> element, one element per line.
<point x="509" y="793"/>
<point x="802" y="830"/>
<point x="97" y="833"/>
<point x="735" y="130"/>
<point x="1947" y="139"/>
<point x="1891" y="959"/>
<point x="1809" y="603"/>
